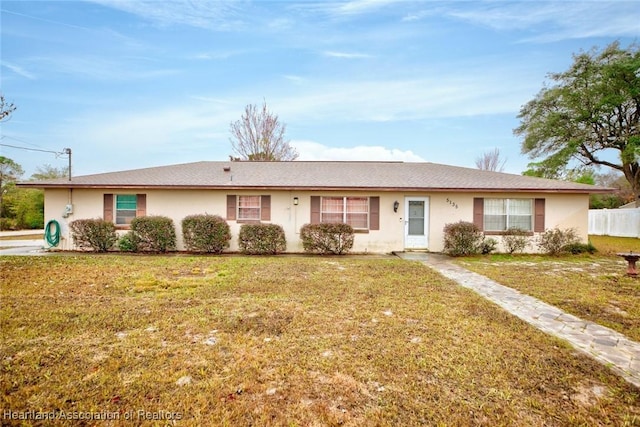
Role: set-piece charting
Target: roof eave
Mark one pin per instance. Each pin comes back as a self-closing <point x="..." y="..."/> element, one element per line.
<point x="596" y="190"/>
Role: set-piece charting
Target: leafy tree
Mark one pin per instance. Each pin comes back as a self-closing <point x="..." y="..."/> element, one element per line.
<point x="259" y="136"/>
<point x="26" y="208"/>
<point x="491" y="161"/>
<point x="6" y="108"/>
<point x="49" y="172"/>
<point x="588" y="111"/>
<point x="10" y="172"/>
<point x="621" y="196"/>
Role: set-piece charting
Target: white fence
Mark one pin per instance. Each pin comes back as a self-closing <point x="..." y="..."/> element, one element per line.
<point x="615" y="222"/>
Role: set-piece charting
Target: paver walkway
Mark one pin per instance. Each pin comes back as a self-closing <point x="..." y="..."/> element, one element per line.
<point x="607" y="346"/>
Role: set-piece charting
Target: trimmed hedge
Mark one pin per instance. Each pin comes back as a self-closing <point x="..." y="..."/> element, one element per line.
<point x="515" y="240"/>
<point x="206" y="233"/>
<point x="95" y="234"/>
<point x="327" y="238"/>
<point x="462" y="238"/>
<point x="262" y="239"/>
<point x="557" y="241"/>
<point x="153" y="234"/>
<point x="128" y="242"/>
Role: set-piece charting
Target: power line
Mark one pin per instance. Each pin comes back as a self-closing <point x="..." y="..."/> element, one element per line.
<point x="37" y="149"/>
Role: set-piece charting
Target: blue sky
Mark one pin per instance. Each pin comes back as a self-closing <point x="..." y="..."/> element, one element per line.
<point x="131" y="84"/>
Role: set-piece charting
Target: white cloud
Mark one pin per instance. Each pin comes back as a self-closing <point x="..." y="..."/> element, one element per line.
<point x="346" y="55"/>
<point x="100" y="68"/>
<point x="356" y="7"/>
<point x="218" y="15"/>
<point x="310" y="150"/>
<point x="19" y="70"/>
<point x="561" y="20"/>
<point x="407" y="99"/>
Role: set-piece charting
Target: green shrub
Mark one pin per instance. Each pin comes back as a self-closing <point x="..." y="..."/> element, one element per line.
<point x="8" y="224"/>
<point x="95" y="234"/>
<point x="515" y="240"/>
<point x="327" y="238"/>
<point x="154" y="233"/>
<point x="262" y="239"/>
<point x="206" y="233"/>
<point x="462" y="238"/>
<point x="128" y="242"/>
<point x="579" y="248"/>
<point x="556" y="241"/>
<point x="488" y="245"/>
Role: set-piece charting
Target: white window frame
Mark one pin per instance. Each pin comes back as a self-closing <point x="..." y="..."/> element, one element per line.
<point x="240" y="208"/>
<point x="508" y="214"/>
<point x="116" y="210"/>
<point x="344" y="212"/>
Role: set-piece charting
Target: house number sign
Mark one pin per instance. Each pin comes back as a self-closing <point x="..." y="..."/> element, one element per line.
<point x="452" y="203"/>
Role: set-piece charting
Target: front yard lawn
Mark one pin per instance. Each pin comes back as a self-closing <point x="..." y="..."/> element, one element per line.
<point x="592" y="287"/>
<point x="282" y="341"/>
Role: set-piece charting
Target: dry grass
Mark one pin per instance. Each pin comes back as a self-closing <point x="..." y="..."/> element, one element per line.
<point x="593" y="287"/>
<point x="283" y="341"/>
<point x="609" y="246"/>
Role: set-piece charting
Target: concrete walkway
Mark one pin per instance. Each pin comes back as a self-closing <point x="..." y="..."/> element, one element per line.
<point x="32" y="243"/>
<point x="607" y="346"/>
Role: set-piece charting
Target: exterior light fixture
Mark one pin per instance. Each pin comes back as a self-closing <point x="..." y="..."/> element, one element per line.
<point x="396" y="205"/>
<point x="295" y="201"/>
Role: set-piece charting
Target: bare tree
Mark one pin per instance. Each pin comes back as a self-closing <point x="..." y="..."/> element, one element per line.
<point x="259" y="136"/>
<point x="491" y="161"/>
<point x="6" y="108"/>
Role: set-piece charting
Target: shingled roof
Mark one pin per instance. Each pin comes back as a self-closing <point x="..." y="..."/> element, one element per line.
<point x="300" y="175"/>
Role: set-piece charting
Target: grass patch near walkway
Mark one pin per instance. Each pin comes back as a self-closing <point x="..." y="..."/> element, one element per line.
<point x="593" y="287"/>
<point x="283" y="341"/>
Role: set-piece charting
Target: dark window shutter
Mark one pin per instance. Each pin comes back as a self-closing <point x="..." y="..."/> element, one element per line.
<point x="231" y="207"/>
<point x="141" y="205"/>
<point x="315" y="209"/>
<point x="265" y="208"/>
<point x="374" y="213"/>
<point x="478" y="212"/>
<point x="538" y="221"/>
<point x="108" y="207"/>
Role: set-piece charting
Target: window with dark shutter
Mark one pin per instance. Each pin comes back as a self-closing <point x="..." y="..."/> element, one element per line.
<point x="538" y="226"/>
<point x="141" y="205"/>
<point x="231" y="207"/>
<point x="108" y="208"/>
<point x="265" y="208"/>
<point x="374" y="213"/>
<point x="478" y="212"/>
<point x="315" y="210"/>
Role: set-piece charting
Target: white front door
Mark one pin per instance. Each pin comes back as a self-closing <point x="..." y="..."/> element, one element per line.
<point x="416" y="224"/>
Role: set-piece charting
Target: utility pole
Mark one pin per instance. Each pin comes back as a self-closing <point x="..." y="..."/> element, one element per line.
<point x="67" y="151"/>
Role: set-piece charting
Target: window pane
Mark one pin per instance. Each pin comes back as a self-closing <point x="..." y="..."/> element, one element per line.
<point x="249" y="207"/>
<point x="249" y="201"/>
<point x="495" y="206"/>
<point x="519" y="206"/>
<point x="332" y="217"/>
<point x="416" y="226"/>
<point x="495" y="222"/>
<point x="357" y="220"/>
<point x="357" y="204"/>
<point x="125" y="217"/>
<point x="520" y="221"/>
<point x="126" y="205"/>
<point x="332" y="204"/>
<point x="357" y="211"/>
<point x="126" y="201"/>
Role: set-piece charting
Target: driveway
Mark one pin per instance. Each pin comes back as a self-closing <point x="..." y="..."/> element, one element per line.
<point x="29" y="242"/>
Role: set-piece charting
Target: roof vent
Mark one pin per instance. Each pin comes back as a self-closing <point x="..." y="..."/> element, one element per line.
<point x="227" y="168"/>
